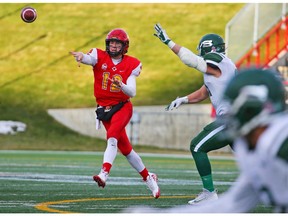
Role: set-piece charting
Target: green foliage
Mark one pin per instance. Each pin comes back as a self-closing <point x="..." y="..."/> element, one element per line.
<point x="37" y="72"/>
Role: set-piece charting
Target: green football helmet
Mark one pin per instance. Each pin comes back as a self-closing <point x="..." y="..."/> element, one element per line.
<point x="211" y="43"/>
<point x="255" y="97"/>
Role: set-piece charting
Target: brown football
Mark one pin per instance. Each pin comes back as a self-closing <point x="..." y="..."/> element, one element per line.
<point x="28" y="14"/>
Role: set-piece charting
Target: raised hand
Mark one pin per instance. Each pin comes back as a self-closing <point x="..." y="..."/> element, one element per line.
<point x="161" y="34"/>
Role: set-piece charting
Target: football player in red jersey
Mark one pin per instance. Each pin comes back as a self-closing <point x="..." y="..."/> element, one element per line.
<point x="114" y="84"/>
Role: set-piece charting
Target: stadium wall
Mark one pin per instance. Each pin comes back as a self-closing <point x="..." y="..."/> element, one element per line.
<point x="150" y="125"/>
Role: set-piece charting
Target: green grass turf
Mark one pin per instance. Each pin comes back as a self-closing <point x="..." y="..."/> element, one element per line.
<point x="37" y="68"/>
<point x="59" y="181"/>
<point x="37" y="73"/>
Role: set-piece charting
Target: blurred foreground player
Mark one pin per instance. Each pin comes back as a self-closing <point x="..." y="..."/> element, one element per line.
<point x="258" y="123"/>
<point x="114" y="84"/>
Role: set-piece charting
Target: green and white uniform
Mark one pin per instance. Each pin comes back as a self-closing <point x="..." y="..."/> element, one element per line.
<point x="263" y="175"/>
<point x="216" y="85"/>
<point x="210" y="137"/>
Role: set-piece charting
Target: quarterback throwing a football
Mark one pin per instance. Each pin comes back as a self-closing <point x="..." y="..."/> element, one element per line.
<point x="114" y="84"/>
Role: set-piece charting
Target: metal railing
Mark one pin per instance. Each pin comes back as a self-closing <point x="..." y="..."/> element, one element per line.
<point x="268" y="49"/>
<point x="259" y="42"/>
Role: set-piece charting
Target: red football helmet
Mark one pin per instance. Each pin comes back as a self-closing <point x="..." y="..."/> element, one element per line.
<point x="117" y="35"/>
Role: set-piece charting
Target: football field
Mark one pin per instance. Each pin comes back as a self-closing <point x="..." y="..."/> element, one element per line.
<point x="61" y="182"/>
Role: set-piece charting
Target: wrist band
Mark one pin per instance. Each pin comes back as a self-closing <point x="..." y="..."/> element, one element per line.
<point x="171" y="44"/>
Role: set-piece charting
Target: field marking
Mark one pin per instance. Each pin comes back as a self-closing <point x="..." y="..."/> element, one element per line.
<point x="81" y="179"/>
<point x="51" y="207"/>
<point x="185" y="155"/>
<point x="45" y="205"/>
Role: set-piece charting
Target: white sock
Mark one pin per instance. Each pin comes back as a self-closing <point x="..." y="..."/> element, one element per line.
<point x="135" y="161"/>
<point x="111" y="151"/>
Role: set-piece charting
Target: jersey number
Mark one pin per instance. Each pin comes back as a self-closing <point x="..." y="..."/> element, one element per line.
<point x="113" y="87"/>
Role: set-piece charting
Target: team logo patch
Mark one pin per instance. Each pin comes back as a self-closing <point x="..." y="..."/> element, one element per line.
<point x="104" y="66"/>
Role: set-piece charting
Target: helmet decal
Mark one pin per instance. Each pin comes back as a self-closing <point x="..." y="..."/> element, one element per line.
<point x="211" y="43"/>
<point x="206" y="43"/>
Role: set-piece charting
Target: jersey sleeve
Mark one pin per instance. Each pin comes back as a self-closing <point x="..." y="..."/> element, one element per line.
<point x="135" y="65"/>
<point x="136" y="72"/>
<point x="93" y="54"/>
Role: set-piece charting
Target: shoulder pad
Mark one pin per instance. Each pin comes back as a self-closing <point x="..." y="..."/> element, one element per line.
<point x="213" y="57"/>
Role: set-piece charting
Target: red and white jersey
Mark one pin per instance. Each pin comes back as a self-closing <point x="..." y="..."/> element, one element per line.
<point x="105" y="92"/>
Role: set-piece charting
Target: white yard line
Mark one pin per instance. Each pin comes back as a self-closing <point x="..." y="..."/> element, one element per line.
<point x="79" y="179"/>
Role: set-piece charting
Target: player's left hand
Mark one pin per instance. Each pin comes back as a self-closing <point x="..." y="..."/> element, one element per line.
<point x="78" y="56"/>
<point x="116" y="82"/>
<point x="161" y="34"/>
<point x="176" y="103"/>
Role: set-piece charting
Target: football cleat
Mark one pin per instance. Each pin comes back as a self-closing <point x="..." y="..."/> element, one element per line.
<point x="204" y="196"/>
<point x="101" y="178"/>
<point x="151" y="182"/>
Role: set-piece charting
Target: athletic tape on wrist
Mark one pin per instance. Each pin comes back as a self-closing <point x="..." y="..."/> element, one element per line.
<point x="171" y="44"/>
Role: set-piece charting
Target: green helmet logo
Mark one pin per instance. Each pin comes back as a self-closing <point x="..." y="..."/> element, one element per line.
<point x="255" y="96"/>
<point x="211" y="43"/>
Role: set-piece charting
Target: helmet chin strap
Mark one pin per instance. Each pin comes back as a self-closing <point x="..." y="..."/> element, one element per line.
<point x="115" y="54"/>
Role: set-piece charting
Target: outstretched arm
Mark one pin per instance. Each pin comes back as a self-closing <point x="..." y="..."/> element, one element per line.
<point x="195" y="97"/>
<point x="185" y="55"/>
<point x="80" y="57"/>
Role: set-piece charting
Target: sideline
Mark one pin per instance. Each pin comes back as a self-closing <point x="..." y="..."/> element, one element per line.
<point x="215" y="156"/>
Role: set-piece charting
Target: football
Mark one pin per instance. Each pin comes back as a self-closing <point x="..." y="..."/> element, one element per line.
<point x="28" y="14"/>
